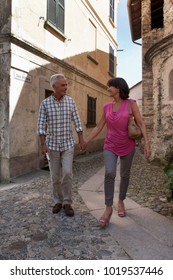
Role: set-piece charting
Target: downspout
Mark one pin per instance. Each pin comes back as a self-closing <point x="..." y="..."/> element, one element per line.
<point x="129" y="3"/>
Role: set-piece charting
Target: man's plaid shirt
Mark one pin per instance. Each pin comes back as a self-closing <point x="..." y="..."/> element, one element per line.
<point x="55" y="121"/>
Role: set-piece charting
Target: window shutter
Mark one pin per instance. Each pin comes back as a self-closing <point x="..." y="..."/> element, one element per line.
<point x="60" y="14"/>
<point x="91" y="111"/>
<point x="56" y="13"/>
<point x="112" y="10"/>
<point x="111" y="60"/>
<point x="52" y="11"/>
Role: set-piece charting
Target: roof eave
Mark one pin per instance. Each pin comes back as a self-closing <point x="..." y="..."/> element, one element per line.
<point x="129" y="8"/>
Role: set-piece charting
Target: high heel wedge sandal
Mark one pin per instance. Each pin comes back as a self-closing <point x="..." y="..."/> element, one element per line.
<point x="104" y="221"/>
<point x="121" y="211"/>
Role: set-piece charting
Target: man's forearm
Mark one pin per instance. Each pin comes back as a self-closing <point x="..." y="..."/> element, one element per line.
<point x="42" y="139"/>
<point x="80" y="136"/>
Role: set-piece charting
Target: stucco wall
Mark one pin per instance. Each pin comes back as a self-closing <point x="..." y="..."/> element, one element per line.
<point x="27" y="90"/>
<point x="78" y="40"/>
<point x="31" y="53"/>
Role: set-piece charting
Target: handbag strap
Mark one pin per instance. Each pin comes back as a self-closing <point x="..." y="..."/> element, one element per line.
<point x="129" y="107"/>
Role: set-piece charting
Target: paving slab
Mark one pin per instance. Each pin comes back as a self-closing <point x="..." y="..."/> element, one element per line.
<point x="143" y="234"/>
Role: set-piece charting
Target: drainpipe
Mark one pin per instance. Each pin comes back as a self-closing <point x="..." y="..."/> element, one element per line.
<point x="129" y="4"/>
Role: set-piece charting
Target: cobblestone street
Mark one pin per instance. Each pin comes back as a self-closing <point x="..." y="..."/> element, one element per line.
<point x="147" y="186"/>
<point x="29" y="230"/>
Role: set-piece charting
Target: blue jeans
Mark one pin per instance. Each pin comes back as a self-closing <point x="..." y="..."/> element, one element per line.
<point x="110" y="160"/>
<point x="61" y="164"/>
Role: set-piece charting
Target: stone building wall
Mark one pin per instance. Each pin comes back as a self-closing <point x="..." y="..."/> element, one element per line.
<point x="157" y="66"/>
<point x="5" y="60"/>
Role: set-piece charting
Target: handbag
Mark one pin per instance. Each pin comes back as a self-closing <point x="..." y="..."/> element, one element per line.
<point x="134" y="131"/>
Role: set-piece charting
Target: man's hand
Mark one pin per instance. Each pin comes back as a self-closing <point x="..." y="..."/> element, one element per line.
<point x="44" y="149"/>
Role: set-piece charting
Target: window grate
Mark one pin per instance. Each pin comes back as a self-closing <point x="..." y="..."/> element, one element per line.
<point x="91" y="111"/>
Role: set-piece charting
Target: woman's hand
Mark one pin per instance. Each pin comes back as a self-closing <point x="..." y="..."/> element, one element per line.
<point x="83" y="145"/>
<point x="147" y="152"/>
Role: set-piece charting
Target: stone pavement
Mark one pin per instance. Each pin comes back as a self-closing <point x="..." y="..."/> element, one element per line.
<point x="29" y="230"/>
<point x="143" y="233"/>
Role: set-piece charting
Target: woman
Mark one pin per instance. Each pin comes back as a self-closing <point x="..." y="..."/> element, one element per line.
<point x="118" y="144"/>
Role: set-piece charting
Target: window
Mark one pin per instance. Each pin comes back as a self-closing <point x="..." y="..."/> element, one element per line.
<point x="48" y="93"/>
<point x="157" y="13"/>
<point x="111" y="15"/>
<point x="91" y="111"/>
<point x="171" y="85"/>
<point x="111" y="61"/>
<point x="56" y="13"/>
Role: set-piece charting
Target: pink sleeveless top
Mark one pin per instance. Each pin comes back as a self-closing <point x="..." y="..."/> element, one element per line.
<point x="117" y="140"/>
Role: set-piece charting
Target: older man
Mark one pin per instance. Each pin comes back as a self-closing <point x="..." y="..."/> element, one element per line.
<point x="55" y="132"/>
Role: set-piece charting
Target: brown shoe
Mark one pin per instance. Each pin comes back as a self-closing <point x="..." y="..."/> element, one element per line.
<point x="56" y="208"/>
<point x="68" y="210"/>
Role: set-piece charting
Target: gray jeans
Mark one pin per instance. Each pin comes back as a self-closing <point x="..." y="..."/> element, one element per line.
<point x="110" y="160"/>
<point x="61" y="164"/>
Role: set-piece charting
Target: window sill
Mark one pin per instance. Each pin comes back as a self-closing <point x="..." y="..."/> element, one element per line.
<point x="111" y="74"/>
<point x="111" y="22"/>
<point x="92" y="59"/>
<point x="52" y="29"/>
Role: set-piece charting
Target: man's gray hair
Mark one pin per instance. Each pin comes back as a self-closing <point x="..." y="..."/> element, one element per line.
<point x="54" y="78"/>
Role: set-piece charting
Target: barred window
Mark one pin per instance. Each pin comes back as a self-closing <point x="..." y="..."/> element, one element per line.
<point x="157" y="14"/>
<point x="55" y="13"/>
<point x="91" y="111"/>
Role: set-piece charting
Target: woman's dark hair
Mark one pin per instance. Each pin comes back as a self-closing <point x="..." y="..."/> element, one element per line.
<point x="121" y="84"/>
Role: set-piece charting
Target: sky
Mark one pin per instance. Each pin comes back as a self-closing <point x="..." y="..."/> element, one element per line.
<point x="129" y="62"/>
